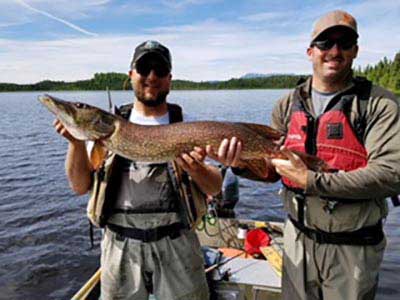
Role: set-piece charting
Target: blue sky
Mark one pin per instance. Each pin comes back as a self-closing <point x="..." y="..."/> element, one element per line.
<point x="209" y="39"/>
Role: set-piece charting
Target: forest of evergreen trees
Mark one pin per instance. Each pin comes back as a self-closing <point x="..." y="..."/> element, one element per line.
<point x="385" y="73"/>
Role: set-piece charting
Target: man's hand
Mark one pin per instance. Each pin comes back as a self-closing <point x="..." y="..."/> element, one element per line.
<point x="293" y="169"/>
<point x="61" y="130"/>
<point x="228" y="152"/>
<point x="192" y="162"/>
<point x="77" y="164"/>
<point x="207" y="177"/>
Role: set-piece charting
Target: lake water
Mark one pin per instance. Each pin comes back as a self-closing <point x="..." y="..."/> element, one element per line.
<point x="44" y="246"/>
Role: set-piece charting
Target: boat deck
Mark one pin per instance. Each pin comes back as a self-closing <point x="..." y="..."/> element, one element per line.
<point x="249" y="278"/>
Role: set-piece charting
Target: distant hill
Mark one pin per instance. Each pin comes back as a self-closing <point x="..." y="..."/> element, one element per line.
<point x="260" y="75"/>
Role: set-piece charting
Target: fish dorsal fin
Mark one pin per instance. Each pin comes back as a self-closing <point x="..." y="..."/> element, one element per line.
<point x="263" y="130"/>
<point x="98" y="155"/>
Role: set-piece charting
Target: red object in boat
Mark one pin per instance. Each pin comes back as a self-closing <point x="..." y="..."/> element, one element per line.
<point x="255" y="239"/>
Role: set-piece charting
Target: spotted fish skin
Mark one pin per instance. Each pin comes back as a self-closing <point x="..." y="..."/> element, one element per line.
<point x="162" y="143"/>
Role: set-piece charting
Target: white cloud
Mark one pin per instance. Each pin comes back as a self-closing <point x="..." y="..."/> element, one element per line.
<point x="206" y="50"/>
<point x="203" y="51"/>
<point x="262" y="17"/>
<point x="181" y="4"/>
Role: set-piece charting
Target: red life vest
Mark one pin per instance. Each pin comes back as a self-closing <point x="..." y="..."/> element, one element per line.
<point x="330" y="137"/>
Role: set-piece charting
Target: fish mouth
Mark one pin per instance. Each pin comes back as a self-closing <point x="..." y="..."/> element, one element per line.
<point x="56" y="106"/>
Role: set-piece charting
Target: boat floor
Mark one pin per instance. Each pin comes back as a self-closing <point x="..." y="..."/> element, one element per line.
<point x="253" y="278"/>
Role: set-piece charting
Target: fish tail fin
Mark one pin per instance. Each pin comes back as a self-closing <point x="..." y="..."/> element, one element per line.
<point x="314" y="163"/>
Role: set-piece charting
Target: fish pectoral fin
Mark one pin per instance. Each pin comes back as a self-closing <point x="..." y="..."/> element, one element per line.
<point x="97" y="155"/>
<point x="264" y="130"/>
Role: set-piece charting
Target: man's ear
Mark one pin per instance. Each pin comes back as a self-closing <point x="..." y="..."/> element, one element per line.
<point x="355" y="51"/>
<point x="309" y="52"/>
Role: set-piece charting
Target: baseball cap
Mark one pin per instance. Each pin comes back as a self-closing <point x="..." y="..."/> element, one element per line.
<point x="336" y="18"/>
<point x="153" y="47"/>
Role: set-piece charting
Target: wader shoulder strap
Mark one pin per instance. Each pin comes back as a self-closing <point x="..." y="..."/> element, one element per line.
<point x="179" y="178"/>
<point x="175" y="113"/>
<point x="180" y="185"/>
<point x="363" y="90"/>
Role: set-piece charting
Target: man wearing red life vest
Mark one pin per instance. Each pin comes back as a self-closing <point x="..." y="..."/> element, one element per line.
<point x="333" y="238"/>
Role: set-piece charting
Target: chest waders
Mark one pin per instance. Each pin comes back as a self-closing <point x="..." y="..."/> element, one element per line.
<point x="332" y="138"/>
<point x="190" y="202"/>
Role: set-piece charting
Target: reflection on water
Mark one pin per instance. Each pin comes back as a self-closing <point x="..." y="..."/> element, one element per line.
<point x="44" y="245"/>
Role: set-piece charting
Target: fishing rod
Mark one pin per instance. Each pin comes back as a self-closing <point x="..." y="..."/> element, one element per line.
<point x="110" y="105"/>
<point x="217" y="265"/>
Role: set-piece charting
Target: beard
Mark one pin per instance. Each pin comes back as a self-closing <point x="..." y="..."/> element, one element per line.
<point x="160" y="99"/>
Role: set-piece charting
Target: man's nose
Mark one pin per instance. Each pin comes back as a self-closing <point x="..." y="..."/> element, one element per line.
<point x="335" y="50"/>
<point x="152" y="75"/>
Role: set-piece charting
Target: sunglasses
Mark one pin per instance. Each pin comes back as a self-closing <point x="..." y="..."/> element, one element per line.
<point x="160" y="69"/>
<point x="343" y="43"/>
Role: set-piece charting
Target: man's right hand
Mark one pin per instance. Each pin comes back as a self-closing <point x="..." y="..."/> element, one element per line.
<point x="228" y="152"/>
<point x="61" y="130"/>
<point x="77" y="163"/>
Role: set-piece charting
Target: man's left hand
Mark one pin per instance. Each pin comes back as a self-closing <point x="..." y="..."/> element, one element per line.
<point x="293" y="169"/>
<point x="192" y="162"/>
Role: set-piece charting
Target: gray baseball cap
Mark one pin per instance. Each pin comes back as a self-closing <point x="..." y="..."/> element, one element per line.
<point x="336" y="18"/>
<point x="153" y="47"/>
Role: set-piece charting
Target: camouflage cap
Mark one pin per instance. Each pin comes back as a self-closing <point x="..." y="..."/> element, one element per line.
<point x="333" y="19"/>
<point x="152" y="47"/>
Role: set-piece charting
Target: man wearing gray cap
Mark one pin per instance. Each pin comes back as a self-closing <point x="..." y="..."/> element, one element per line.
<point x="333" y="238"/>
<point x="149" y="244"/>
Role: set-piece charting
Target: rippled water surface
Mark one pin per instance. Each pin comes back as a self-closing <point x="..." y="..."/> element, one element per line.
<point x="44" y="244"/>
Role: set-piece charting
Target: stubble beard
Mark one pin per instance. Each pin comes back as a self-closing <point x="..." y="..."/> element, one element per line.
<point x="338" y="79"/>
<point x="160" y="99"/>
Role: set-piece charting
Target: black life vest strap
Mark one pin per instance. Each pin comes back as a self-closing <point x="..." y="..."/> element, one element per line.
<point x="370" y="235"/>
<point x="173" y="231"/>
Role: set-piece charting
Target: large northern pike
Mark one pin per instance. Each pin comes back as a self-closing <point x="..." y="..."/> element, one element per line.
<point x="161" y="143"/>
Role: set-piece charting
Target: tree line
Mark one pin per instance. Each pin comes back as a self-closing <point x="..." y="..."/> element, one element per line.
<point x="119" y="81"/>
<point x="385" y="73"/>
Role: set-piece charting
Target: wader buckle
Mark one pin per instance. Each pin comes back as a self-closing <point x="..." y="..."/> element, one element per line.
<point x="330" y="206"/>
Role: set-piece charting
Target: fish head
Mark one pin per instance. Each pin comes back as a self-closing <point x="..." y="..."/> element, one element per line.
<point x="83" y="121"/>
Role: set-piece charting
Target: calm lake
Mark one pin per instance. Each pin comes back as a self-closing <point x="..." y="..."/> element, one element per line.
<point x="44" y="243"/>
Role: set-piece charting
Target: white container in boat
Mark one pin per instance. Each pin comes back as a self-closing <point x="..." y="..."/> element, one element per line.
<point x="242" y="232"/>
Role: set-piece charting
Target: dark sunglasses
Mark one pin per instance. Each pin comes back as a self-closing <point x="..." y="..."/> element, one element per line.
<point x="343" y="43"/>
<point x="144" y="68"/>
